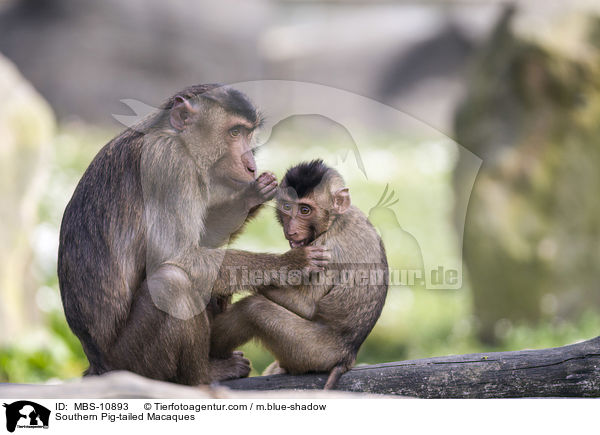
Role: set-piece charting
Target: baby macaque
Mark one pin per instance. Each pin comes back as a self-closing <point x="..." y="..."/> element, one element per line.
<point x="318" y="324"/>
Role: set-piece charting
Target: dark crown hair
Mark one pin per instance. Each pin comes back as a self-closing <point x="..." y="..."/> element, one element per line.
<point x="305" y="177"/>
<point x="228" y="98"/>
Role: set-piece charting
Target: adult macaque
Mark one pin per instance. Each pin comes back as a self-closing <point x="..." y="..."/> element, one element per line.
<point x="137" y="260"/>
<point x="316" y="326"/>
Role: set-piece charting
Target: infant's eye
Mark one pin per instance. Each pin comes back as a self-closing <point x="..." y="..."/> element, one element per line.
<point x="234" y="132"/>
<point x="287" y="206"/>
<point x="305" y="210"/>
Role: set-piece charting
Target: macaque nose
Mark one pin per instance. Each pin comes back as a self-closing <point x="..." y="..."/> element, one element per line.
<point x="249" y="163"/>
<point x="292" y="230"/>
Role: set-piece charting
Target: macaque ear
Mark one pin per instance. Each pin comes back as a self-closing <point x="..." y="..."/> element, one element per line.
<point x="181" y="111"/>
<point x="341" y="200"/>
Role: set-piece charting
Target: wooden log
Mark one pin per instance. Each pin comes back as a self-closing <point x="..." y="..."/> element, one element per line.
<point x="569" y="371"/>
<point x="126" y="385"/>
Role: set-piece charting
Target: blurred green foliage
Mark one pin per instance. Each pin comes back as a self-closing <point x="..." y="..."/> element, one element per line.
<point x="54" y="354"/>
<point x="532" y="113"/>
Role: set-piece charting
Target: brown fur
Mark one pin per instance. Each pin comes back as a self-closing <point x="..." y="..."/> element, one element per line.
<point x="312" y="328"/>
<point x="149" y="214"/>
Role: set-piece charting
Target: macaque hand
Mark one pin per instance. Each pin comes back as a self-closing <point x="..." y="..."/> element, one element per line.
<point x="307" y="258"/>
<point x="263" y="189"/>
<point x="317" y="258"/>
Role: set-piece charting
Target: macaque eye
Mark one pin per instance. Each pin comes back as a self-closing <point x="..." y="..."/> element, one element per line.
<point x="235" y="132"/>
<point x="305" y="210"/>
<point x="287" y="206"/>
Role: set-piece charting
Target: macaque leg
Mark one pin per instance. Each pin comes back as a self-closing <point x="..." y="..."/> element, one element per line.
<point x="230" y="330"/>
<point x="298" y="344"/>
<point x="146" y="342"/>
<point x="150" y="333"/>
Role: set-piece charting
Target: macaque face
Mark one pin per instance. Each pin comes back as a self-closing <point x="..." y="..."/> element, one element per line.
<point x="310" y="197"/>
<point x="237" y="166"/>
<point x="227" y="136"/>
<point x="302" y="220"/>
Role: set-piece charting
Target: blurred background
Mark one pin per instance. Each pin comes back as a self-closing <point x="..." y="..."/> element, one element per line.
<point x="516" y="83"/>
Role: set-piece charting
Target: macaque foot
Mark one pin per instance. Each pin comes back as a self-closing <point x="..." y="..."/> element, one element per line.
<point x="236" y="366"/>
<point x="274" y="369"/>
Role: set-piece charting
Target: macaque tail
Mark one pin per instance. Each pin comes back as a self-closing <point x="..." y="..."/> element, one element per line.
<point x="334" y="376"/>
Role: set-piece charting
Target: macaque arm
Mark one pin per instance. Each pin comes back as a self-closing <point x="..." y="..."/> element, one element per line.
<point x="296" y="301"/>
<point x="205" y="272"/>
<point x="240" y="227"/>
<point x="212" y="272"/>
<point x="227" y="221"/>
<point x="228" y="279"/>
<point x="228" y="218"/>
<point x="261" y="191"/>
<point x="251" y="214"/>
<point x="301" y="301"/>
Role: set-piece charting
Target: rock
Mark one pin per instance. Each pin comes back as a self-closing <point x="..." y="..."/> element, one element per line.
<point x="26" y="131"/>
